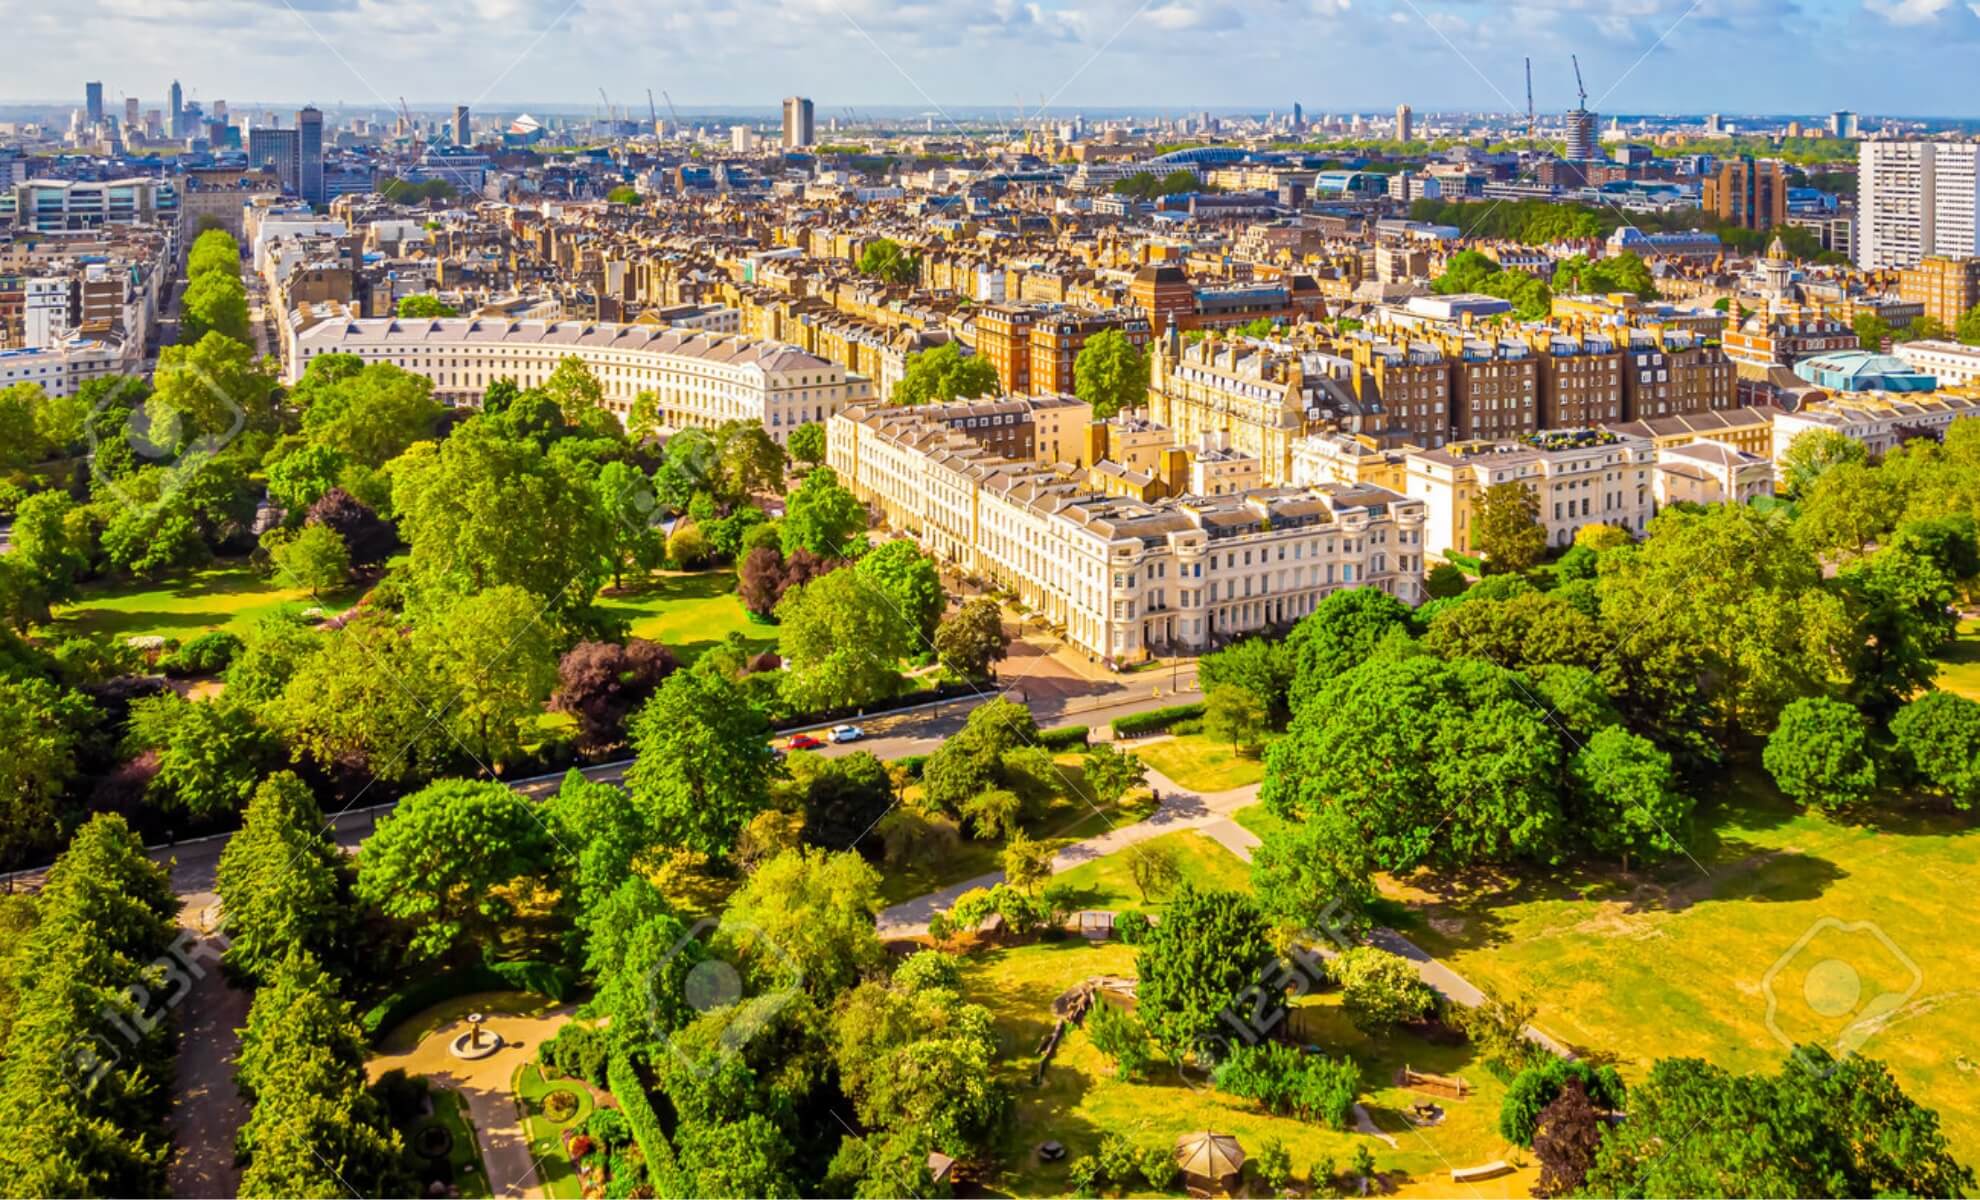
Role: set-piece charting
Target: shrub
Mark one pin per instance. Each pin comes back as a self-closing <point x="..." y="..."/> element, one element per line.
<point x="1534" y="1088"/>
<point x="1155" y="719"/>
<point x="208" y="654"/>
<point x="578" y="1051"/>
<point x="1131" y="926"/>
<point x="1273" y="1164"/>
<point x="1083" y="1175"/>
<point x="1120" y="1162"/>
<point x="1158" y="1167"/>
<point x="1285" y="1080"/>
<point x="556" y="982"/>
<point x="1064" y="738"/>
<point x="1119" y="1037"/>
<point x="630" y="1091"/>
<point x="561" y="1105"/>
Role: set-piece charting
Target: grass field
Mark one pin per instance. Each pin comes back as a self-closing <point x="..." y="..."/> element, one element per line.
<point x="1081" y="1098"/>
<point x="689" y="613"/>
<point x="1853" y="931"/>
<point x="1959" y="670"/>
<point x="1201" y="764"/>
<point x="228" y="596"/>
<point x="1105" y="883"/>
<point x="555" y="1174"/>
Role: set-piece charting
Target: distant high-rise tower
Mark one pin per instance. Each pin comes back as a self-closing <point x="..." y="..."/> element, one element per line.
<point x="798" y="129"/>
<point x="309" y="156"/>
<point x="1580" y="135"/>
<point x="93" y="101"/>
<point x="175" y="111"/>
<point x="1916" y="199"/>
<point x="132" y="119"/>
<point x="1405" y="123"/>
<point x="461" y="135"/>
<point x="1843" y="124"/>
<point x="1299" y="116"/>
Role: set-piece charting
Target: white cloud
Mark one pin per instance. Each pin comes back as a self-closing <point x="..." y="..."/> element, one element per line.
<point x="1909" y="12"/>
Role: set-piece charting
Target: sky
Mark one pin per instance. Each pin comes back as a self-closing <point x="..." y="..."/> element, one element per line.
<point x="1877" y="57"/>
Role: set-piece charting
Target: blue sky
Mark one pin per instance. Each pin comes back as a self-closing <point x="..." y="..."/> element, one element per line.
<point x="1873" y="56"/>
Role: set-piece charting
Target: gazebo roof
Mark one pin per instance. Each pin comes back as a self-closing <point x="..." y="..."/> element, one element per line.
<point x="1211" y="1155"/>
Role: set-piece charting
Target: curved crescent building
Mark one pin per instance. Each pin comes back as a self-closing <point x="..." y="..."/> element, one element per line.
<point x="700" y="378"/>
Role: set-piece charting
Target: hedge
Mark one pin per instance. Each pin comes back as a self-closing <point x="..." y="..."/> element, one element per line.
<point x="1063" y="738"/>
<point x="1155" y="719"/>
<point x="623" y="1081"/>
<point x="548" y="979"/>
<point x="912" y="763"/>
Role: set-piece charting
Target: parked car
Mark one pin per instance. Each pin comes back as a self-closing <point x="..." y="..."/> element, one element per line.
<point x="846" y="733"/>
<point x="803" y="741"/>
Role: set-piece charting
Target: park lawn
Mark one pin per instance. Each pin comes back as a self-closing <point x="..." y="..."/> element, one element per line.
<point x="1201" y="764"/>
<point x="1959" y="667"/>
<point x="688" y="613"/>
<point x="1070" y="817"/>
<point x="226" y="596"/>
<point x="1082" y="1099"/>
<point x="556" y="1174"/>
<point x="470" y="1173"/>
<point x="1675" y="962"/>
<point x="1106" y="883"/>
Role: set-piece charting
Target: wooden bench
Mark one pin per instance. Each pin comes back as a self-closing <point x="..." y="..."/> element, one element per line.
<point x="1490" y="1170"/>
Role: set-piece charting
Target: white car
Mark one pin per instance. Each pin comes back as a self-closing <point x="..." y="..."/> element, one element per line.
<point x="846" y="733"/>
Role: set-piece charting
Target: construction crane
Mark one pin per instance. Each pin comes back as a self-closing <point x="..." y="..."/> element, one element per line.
<point x="652" y="113"/>
<point x="606" y="102"/>
<point x="1579" y="90"/>
<point x="1532" y="124"/>
<point x="405" y="117"/>
<point x="671" y="111"/>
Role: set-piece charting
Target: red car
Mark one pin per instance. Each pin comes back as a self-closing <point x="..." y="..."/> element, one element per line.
<point x="803" y="741"/>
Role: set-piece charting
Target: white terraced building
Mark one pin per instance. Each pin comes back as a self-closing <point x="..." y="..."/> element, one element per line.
<point x="700" y="378"/>
<point x="1122" y="578"/>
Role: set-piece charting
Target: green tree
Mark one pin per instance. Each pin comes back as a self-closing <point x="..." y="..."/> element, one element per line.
<point x="1967" y="329"/>
<point x="1233" y="714"/>
<point x="1111" y="373"/>
<point x="1819" y="1127"/>
<point x="622" y="195"/>
<point x="444" y="862"/>
<point x="1505" y="526"/>
<point x="806" y="916"/>
<point x="362" y="702"/>
<point x="1820" y="754"/>
<point x="1380" y="989"/>
<point x="370" y="414"/>
<point x="481" y="511"/>
<point x="40" y="725"/>
<point x="972" y="639"/>
<point x="282" y="883"/>
<point x="313" y="557"/>
<point x="1901" y="607"/>
<point x="426" y="304"/>
<point x="704" y="762"/>
<point x="492" y="655"/>
<point x="301" y="477"/>
<point x="210" y="753"/>
<point x="214" y="303"/>
<point x="1208" y="951"/>
<point x="1119" y="1037"/>
<point x="843" y="639"/>
<point x="1262" y="666"/>
<point x="1627" y="801"/>
<point x="807" y="443"/>
<point x="845" y="799"/>
<point x="750" y="461"/>
<point x="887" y="260"/>
<point x="1154" y="867"/>
<point x="205" y="393"/>
<point x="907" y="578"/>
<point x="1539" y="1085"/>
<point x="943" y="374"/>
<point x="822" y="516"/>
<point x="574" y="388"/>
<point x="1566" y="1138"/>
<point x="1311" y="877"/>
<point x="1111" y="773"/>
<point x="1938" y="734"/>
<point x="1848" y="506"/>
<point x="51" y="544"/>
<point x="1027" y="863"/>
<point x="1812" y="454"/>
<point x="1398" y="748"/>
<point x="1341" y="632"/>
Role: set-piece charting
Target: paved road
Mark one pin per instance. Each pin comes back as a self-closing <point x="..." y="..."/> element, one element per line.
<point x="207" y="1110"/>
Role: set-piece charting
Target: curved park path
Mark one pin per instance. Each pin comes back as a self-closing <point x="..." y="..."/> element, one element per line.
<point x="485" y="1085"/>
<point x="1209" y="813"/>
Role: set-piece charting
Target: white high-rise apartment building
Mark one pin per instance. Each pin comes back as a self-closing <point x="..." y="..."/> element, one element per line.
<point x="1916" y="198"/>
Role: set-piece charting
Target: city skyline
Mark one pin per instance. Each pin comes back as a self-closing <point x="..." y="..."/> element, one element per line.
<point x="1640" y="56"/>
